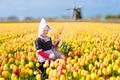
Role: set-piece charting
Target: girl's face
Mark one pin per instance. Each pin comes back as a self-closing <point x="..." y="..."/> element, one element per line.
<point x="45" y="31"/>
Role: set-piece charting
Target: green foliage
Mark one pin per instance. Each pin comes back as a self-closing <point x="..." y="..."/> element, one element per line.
<point x="112" y="16"/>
<point x="65" y="47"/>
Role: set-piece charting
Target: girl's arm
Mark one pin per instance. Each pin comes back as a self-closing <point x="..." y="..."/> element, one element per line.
<point x="56" y="43"/>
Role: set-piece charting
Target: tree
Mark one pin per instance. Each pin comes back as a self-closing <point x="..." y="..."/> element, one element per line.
<point x="2" y="19"/>
<point x="109" y="16"/>
<point x="65" y="17"/>
<point x="13" y="18"/>
<point x="28" y="19"/>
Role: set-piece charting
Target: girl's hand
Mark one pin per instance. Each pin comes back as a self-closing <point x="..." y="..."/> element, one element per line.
<point x="58" y="40"/>
<point x="52" y="56"/>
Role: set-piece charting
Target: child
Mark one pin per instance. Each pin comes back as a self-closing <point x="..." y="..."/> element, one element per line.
<point x="45" y="49"/>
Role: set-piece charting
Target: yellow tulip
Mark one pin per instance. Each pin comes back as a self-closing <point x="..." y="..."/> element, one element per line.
<point x="5" y="74"/>
<point x="75" y="74"/>
<point x="62" y="77"/>
<point x="2" y="78"/>
<point x="30" y="64"/>
<point x="5" y="68"/>
<point x="37" y="64"/>
<point x="38" y="77"/>
<point x="48" y="70"/>
<point x="30" y="72"/>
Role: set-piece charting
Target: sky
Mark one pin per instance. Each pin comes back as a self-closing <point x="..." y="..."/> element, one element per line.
<point x="57" y="8"/>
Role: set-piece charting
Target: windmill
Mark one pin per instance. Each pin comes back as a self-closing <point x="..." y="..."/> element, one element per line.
<point x="76" y="12"/>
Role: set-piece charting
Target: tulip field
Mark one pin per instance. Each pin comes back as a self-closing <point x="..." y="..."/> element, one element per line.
<point x="92" y="51"/>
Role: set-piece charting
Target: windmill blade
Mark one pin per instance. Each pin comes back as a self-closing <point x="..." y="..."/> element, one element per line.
<point x="69" y="9"/>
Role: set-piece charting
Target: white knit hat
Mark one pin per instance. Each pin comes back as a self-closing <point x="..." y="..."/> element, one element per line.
<point x="42" y="25"/>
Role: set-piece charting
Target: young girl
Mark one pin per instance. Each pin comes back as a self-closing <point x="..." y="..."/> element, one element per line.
<point x="44" y="46"/>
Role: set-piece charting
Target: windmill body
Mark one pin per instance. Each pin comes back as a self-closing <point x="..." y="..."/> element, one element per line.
<point x="77" y="13"/>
